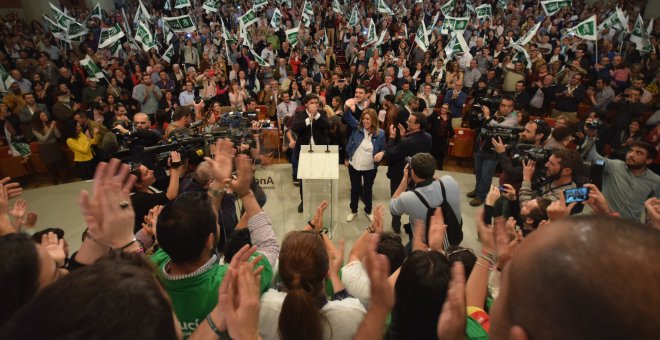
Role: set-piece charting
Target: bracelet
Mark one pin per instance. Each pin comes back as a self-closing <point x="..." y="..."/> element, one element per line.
<point x="214" y="328"/>
<point x="175" y="165"/>
<point x="492" y="258"/>
<point x="483" y="265"/>
<point x="370" y="229"/>
<point x="128" y="244"/>
<point x="311" y="224"/>
<point x="323" y="231"/>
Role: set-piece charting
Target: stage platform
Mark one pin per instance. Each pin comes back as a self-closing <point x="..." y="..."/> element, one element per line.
<point x="57" y="206"/>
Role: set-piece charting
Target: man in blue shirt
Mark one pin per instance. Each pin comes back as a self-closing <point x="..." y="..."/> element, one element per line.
<point x="456" y="99"/>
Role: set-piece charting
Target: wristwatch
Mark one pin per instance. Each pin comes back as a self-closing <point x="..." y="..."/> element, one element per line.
<point x="323" y="231"/>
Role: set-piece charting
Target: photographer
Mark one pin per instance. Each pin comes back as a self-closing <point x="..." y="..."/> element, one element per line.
<point x="145" y="197"/>
<point x="628" y="184"/>
<point x="535" y="134"/>
<point x="180" y="121"/>
<point x="485" y="161"/>
<point x="559" y="172"/>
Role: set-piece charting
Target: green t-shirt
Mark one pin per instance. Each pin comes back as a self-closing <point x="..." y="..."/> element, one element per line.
<point x="474" y="331"/>
<point x="195" y="297"/>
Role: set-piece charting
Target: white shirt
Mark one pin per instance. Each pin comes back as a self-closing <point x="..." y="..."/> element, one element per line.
<point x="286" y="109"/>
<point x="357" y="283"/>
<point x="342" y="318"/>
<point x="363" y="158"/>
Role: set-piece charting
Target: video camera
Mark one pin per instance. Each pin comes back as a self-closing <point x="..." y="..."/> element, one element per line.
<point x="508" y="135"/>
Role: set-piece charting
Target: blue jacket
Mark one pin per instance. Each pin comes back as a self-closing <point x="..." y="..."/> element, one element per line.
<point x="357" y="136"/>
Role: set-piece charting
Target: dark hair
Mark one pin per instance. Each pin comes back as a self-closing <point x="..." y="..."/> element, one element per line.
<point x="248" y="100"/>
<point x="420" y="119"/>
<point x="423" y="164"/>
<point x="390" y="98"/>
<point x="420" y="290"/>
<point x="37" y="124"/>
<point x="542" y="127"/>
<point x="303" y="265"/>
<point x="361" y="87"/>
<point x="236" y="240"/>
<point x="507" y="98"/>
<point x="391" y="246"/>
<point x="184" y="226"/>
<point x="19" y="273"/>
<point x="464" y="255"/>
<point x="310" y="96"/>
<point x="180" y="112"/>
<point x="651" y="152"/>
<point x="570" y="159"/>
<point x="123" y="286"/>
<point x="539" y="214"/>
<point x="562" y="132"/>
<point x="68" y="129"/>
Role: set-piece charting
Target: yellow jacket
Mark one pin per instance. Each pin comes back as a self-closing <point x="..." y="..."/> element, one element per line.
<point x="82" y="147"/>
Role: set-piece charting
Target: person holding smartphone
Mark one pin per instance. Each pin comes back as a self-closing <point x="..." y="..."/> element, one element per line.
<point x="559" y="176"/>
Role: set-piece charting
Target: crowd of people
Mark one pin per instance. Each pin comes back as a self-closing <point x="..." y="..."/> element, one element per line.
<point x="169" y="254"/>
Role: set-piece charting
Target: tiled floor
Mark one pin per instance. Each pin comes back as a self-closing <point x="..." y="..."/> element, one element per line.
<point x="57" y="205"/>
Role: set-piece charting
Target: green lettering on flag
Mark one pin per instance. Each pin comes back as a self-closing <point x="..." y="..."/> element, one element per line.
<point x="448" y="7"/>
<point x="96" y="12"/>
<point x="551" y="7"/>
<point x="248" y="18"/>
<point x="180" y="24"/>
<point x="586" y="29"/>
<point x="93" y="71"/>
<point x="483" y="11"/>
<point x="211" y="5"/>
<point x="181" y="3"/>
<point x="292" y="35"/>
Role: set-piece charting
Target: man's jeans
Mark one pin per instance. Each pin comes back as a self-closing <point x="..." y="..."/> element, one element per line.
<point x="484" y="166"/>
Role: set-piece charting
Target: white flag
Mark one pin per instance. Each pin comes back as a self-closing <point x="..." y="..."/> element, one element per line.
<point x="586" y="29"/>
<point x="259" y="59"/>
<point x="483" y="11"/>
<point x="5" y="80"/>
<point x="353" y="19"/>
<point x="456" y="45"/>
<point x="180" y="24"/>
<point x="421" y="38"/>
<point x="456" y="23"/>
<point x="181" y="3"/>
<point x="371" y="34"/>
<point x="276" y="20"/>
<point x="96" y="12"/>
<point x="637" y="34"/>
<point x="553" y="6"/>
<point x="211" y="5"/>
<point x="522" y="56"/>
<point x="144" y="37"/>
<point x="109" y="35"/>
<point x="448" y="7"/>
<point x="93" y="71"/>
<point x="248" y="18"/>
<point x="384" y="8"/>
<point x="292" y="35"/>
<point x="336" y="7"/>
<point x="525" y="39"/>
<point x="168" y="54"/>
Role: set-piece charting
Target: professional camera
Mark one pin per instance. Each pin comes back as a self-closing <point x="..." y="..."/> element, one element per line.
<point x="527" y="152"/>
<point x="476" y="115"/>
<point x="594" y="124"/>
<point x="509" y="135"/>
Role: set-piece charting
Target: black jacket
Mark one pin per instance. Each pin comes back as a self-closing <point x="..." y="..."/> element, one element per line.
<point x="319" y="127"/>
<point x="396" y="152"/>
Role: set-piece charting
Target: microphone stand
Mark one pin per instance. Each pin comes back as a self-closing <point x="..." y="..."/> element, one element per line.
<point x="311" y="125"/>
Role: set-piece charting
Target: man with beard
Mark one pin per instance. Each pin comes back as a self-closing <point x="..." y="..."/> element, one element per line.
<point x="627" y="185"/>
<point x="559" y="172"/>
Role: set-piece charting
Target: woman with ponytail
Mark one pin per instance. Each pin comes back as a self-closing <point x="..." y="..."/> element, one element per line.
<point x="301" y="309"/>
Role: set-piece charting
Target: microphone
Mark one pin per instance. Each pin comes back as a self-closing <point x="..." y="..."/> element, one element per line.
<point x="311" y="125"/>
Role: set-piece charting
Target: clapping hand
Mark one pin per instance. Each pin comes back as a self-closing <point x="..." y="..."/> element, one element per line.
<point x="18" y="212"/>
<point x="452" y="319"/>
<point x="317" y="220"/>
<point x="222" y="161"/>
<point x="108" y="212"/>
<point x="528" y="170"/>
<point x="151" y="220"/>
<point x="377" y="224"/>
<point x="652" y="206"/>
<point x="54" y="247"/>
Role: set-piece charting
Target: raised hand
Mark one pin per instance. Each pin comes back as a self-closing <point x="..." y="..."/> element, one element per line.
<point x="54" y="247"/>
<point x="378" y="268"/>
<point x="451" y="323"/>
<point x="222" y="162"/>
<point x="13" y="189"/>
<point x="18" y="212"/>
<point x="108" y="213"/>
<point x="558" y="209"/>
<point x="317" y="220"/>
<point x="151" y="219"/>
<point x="377" y="224"/>
<point x="437" y="231"/>
<point x="240" y="183"/>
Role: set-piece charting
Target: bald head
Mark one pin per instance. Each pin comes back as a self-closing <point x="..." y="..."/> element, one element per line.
<point x="583" y="277"/>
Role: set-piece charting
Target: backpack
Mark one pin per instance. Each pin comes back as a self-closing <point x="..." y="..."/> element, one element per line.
<point x="454" y="231"/>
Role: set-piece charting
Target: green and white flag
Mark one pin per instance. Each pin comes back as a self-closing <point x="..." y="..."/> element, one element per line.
<point x="248" y="18"/>
<point x="637" y="35"/>
<point x="58" y="31"/>
<point x="611" y="22"/>
<point x="448" y="7"/>
<point x="211" y="5"/>
<point x="456" y="45"/>
<point x="553" y="6"/>
<point x="93" y="70"/>
<point x="336" y="7"/>
<point x="469" y="6"/>
<point x="167" y="33"/>
<point x="586" y="29"/>
<point x="623" y="19"/>
<point x="353" y="19"/>
<point x="109" y="35"/>
<point x="292" y="35"/>
<point x="127" y="27"/>
<point x="522" y="56"/>
<point x="384" y="8"/>
<point x="181" y="3"/>
<point x="259" y="59"/>
<point x="259" y="4"/>
<point x="371" y="34"/>
<point x="484" y="11"/>
<point x="307" y="14"/>
<point x="167" y="6"/>
<point x="116" y="48"/>
<point x="61" y="18"/>
<point x="502" y="3"/>
<point x="7" y="80"/>
<point x="144" y="37"/>
<point x="168" y="54"/>
<point x="276" y="20"/>
<point x="75" y="30"/>
<point x="381" y="38"/>
<point x="456" y="23"/>
<point x="225" y="34"/>
<point x="421" y="37"/>
<point x="96" y="12"/>
<point x="141" y="12"/>
<point x="180" y="24"/>
<point x="525" y="39"/>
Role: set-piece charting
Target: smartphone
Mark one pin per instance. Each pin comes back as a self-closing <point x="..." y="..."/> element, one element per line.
<point x="576" y="195"/>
